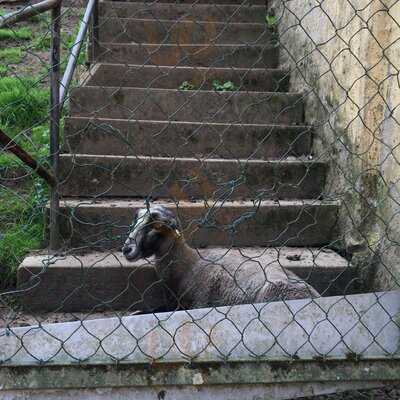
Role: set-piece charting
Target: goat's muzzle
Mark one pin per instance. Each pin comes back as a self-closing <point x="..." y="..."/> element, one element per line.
<point x="131" y="252"/>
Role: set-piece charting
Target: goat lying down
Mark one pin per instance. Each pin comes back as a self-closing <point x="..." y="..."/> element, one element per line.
<point x="197" y="279"/>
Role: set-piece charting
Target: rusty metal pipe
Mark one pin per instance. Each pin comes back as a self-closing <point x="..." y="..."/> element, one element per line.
<point x="12" y="147"/>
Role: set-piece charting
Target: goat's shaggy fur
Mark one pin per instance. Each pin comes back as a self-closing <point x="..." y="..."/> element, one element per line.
<point x="201" y="279"/>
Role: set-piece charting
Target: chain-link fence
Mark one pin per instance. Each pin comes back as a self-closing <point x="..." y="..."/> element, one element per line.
<point x="219" y="181"/>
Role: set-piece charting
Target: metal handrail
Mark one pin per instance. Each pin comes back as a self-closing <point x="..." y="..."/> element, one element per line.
<point x="58" y="93"/>
<point x="76" y="49"/>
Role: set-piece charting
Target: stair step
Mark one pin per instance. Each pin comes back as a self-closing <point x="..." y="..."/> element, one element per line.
<point x="150" y="76"/>
<point x="103" y="224"/>
<point x="130" y="30"/>
<point x="195" y="12"/>
<point x="77" y="282"/>
<point x="209" y="2"/>
<point x="189" y="106"/>
<point x="185" y="139"/>
<point x="189" y="178"/>
<point x="240" y="56"/>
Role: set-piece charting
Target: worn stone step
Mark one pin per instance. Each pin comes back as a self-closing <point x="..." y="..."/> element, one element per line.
<point x="149" y="76"/>
<point x="240" y="56"/>
<point x="184" y="139"/>
<point x="103" y="224"/>
<point x="77" y="282"/>
<point x="177" y="105"/>
<point x="179" y="11"/>
<point x="190" y="178"/>
<point x="132" y="30"/>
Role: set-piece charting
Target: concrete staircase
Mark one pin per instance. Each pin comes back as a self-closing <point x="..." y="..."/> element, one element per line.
<point x="234" y="165"/>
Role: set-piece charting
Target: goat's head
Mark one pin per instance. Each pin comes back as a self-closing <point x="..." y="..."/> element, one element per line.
<point x="153" y="232"/>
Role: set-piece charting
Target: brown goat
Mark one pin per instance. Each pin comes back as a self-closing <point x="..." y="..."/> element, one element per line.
<point x="205" y="279"/>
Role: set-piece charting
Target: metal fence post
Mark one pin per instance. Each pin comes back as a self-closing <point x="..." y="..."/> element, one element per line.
<point x="55" y="123"/>
<point x="95" y="32"/>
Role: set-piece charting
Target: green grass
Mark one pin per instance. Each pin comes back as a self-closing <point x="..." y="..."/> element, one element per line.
<point x="11" y="55"/>
<point x="24" y="107"/>
<point x="21" y="228"/>
<point x="22" y="103"/>
<point x="42" y="42"/>
<point x="10" y="34"/>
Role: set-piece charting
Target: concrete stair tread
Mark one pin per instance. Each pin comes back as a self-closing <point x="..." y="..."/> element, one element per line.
<point x="189" y="178"/>
<point x="193" y="92"/>
<point x="139" y="203"/>
<point x="188" y="46"/>
<point x="169" y="77"/>
<point x="302" y="127"/>
<point x="217" y="55"/>
<point x="120" y="284"/>
<point x="172" y="160"/>
<point x="197" y="12"/>
<point x="181" y="20"/>
<point x="207" y="2"/>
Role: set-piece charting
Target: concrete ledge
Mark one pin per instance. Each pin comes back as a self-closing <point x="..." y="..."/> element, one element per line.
<point x="221" y="381"/>
<point x="333" y="327"/>
<point x="104" y="281"/>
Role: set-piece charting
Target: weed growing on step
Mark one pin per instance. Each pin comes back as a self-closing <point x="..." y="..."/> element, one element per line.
<point x="227" y="86"/>
<point x="186" y="85"/>
<point x="271" y="21"/>
<point x="11" y="55"/>
<point x="272" y="25"/>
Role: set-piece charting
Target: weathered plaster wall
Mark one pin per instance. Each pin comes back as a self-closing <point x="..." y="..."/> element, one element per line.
<point x="344" y="56"/>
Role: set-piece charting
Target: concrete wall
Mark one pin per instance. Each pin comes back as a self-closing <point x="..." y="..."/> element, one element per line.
<point x="344" y="56"/>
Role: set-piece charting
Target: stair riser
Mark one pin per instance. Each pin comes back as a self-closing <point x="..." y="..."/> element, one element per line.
<point x="195" y="56"/>
<point x="92" y="287"/>
<point x="101" y="227"/>
<point x="189" y="179"/>
<point x="163" y="139"/>
<point x="197" y="12"/>
<point x="200" y="78"/>
<point x="117" y="30"/>
<point x="202" y="106"/>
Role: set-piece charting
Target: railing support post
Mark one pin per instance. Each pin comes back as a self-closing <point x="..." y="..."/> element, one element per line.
<point x="55" y="113"/>
<point x="95" y="31"/>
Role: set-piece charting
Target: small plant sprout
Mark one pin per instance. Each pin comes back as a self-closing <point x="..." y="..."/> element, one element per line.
<point x="271" y="21"/>
<point x="227" y="86"/>
<point x="186" y="85"/>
